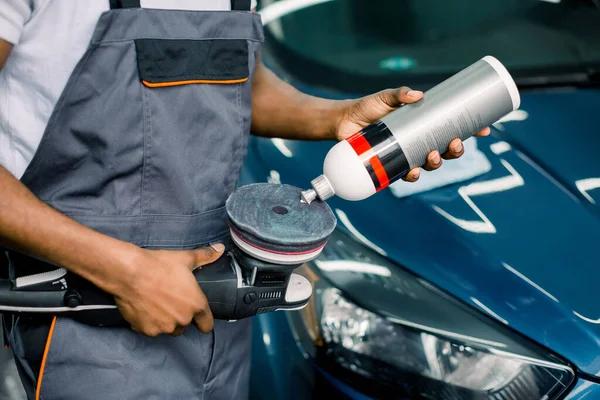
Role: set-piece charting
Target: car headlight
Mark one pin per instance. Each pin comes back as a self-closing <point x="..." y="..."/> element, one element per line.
<point x="390" y="334"/>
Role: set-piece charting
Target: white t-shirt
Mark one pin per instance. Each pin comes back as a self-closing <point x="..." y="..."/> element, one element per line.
<point x="50" y="36"/>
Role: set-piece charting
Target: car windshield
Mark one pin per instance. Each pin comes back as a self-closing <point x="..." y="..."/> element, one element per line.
<point x="361" y="45"/>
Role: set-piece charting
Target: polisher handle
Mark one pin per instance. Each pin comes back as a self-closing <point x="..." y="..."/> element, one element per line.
<point x="220" y="281"/>
<point x="20" y="301"/>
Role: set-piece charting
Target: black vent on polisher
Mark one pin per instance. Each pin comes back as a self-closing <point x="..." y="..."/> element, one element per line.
<point x="270" y="295"/>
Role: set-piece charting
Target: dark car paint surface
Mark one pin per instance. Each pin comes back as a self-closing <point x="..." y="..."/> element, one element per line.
<point x="519" y="243"/>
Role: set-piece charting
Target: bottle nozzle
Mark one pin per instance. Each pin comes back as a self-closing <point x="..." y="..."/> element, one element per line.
<point x="308" y="196"/>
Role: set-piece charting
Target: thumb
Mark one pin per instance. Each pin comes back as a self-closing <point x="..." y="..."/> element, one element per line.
<point x="394" y="98"/>
<point x="375" y="106"/>
<point x="207" y="255"/>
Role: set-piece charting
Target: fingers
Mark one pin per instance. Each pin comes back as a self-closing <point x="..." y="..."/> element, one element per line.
<point x="178" y="331"/>
<point x="455" y="150"/>
<point x="484" y="132"/>
<point x="204" y="325"/>
<point x="154" y="332"/>
<point x="413" y="175"/>
<point x="204" y="319"/>
<point x="207" y="255"/>
<point x="434" y="161"/>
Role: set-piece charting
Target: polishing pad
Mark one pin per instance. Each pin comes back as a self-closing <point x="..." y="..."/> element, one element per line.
<point x="269" y="222"/>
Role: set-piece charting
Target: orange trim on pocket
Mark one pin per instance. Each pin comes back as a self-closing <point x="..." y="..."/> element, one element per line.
<point x="179" y="83"/>
<point x="43" y="365"/>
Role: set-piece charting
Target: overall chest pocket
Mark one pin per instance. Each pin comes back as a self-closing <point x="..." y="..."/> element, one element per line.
<point x="193" y="93"/>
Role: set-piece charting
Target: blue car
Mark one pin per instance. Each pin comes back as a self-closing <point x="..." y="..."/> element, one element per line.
<point x="483" y="285"/>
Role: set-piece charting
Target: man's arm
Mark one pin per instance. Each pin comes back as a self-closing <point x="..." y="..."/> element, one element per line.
<point x="30" y="226"/>
<point x="279" y="110"/>
<point x="155" y="290"/>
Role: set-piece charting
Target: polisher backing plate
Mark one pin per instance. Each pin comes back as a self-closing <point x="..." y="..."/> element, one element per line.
<point x="270" y="222"/>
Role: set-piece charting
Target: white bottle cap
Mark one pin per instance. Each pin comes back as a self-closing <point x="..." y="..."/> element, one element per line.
<point x="509" y="82"/>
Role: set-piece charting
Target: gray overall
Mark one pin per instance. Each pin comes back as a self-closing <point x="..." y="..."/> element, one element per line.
<point x="145" y="145"/>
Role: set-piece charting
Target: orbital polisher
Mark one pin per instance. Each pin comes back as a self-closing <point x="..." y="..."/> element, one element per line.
<point x="272" y="234"/>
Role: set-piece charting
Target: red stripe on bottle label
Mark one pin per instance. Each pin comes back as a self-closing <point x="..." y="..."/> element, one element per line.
<point x="380" y="153"/>
<point x="359" y="143"/>
<point x="380" y="172"/>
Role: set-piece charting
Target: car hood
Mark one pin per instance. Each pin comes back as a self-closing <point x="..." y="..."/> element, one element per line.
<point x="520" y="243"/>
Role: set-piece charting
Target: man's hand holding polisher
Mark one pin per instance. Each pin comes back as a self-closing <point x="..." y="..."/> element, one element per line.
<point x="148" y="301"/>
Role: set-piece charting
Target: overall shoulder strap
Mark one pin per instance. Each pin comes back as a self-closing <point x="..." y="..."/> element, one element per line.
<point x="114" y="4"/>
<point x="241" y="5"/>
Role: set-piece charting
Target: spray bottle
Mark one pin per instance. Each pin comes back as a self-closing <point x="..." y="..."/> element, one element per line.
<point x="383" y="152"/>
